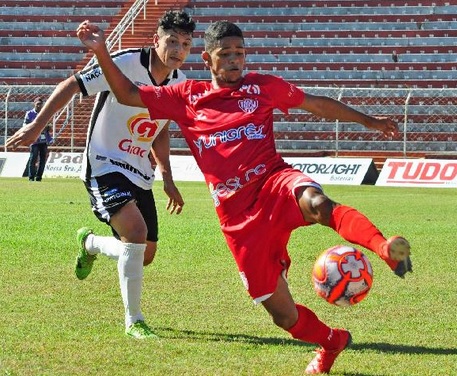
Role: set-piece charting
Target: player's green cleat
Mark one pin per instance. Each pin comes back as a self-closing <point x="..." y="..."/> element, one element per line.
<point x="84" y="261"/>
<point x="140" y="330"/>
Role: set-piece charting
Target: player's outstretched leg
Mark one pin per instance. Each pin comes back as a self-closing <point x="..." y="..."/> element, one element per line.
<point x="324" y="359"/>
<point x="140" y="330"/>
<point x="396" y="251"/>
<point x="358" y="229"/>
<point x="84" y="261"/>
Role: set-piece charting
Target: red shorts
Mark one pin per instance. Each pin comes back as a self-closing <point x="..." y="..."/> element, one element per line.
<point x="258" y="237"/>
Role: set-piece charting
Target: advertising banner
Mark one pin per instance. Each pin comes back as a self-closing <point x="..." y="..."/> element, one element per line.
<point x="63" y="164"/>
<point x="184" y="168"/>
<point x="344" y="171"/>
<point x="13" y="165"/>
<point x="419" y="173"/>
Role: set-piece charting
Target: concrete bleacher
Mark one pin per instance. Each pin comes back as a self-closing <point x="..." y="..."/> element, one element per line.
<point x="348" y="43"/>
<point x="38" y="43"/>
<point x="38" y="46"/>
<point x="321" y="44"/>
<point x="306" y="41"/>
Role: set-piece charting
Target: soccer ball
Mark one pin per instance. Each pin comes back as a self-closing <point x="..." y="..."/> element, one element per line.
<point x="342" y="275"/>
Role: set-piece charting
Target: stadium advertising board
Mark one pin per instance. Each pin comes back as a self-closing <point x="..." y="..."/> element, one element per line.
<point x="343" y="171"/>
<point x="434" y="173"/>
<point x="63" y="164"/>
<point x="346" y="171"/>
<point x="184" y="168"/>
<point x="13" y="165"/>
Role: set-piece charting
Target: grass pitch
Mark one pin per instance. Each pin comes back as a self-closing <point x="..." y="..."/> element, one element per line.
<point x="53" y="324"/>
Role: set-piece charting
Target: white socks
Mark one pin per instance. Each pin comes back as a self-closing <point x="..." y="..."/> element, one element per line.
<point x="106" y="245"/>
<point x="130" y="268"/>
<point x="130" y="257"/>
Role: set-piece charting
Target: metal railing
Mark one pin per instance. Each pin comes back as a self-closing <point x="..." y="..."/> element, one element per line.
<point x="17" y="99"/>
<point x="427" y="121"/>
<point x="128" y="21"/>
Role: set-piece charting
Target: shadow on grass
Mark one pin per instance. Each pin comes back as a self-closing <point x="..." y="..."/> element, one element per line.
<point x="248" y="339"/>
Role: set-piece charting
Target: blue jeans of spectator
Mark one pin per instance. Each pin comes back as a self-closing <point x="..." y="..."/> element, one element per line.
<point x="38" y="154"/>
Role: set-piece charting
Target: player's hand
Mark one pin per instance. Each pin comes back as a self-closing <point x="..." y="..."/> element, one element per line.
<point x="90" y="35"/>
<point x="175" y="201"/>
<point x="385" y="125"/>
<point x="24" y="136"/>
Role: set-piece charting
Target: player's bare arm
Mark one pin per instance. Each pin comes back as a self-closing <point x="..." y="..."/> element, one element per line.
<point x="124" y="90"/>
<point x="329" y="108"/>
<point x="61" y="95"/>
<point x="161" y="152"/>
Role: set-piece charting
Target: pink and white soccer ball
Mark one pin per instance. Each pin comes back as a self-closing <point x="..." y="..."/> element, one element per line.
<point x="342" y="275"/>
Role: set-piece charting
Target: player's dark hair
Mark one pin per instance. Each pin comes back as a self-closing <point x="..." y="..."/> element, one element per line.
<point x="218" y="30"/>
<point x="177" y="19"/>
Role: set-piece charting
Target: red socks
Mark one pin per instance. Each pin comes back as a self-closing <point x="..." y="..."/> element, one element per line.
<point x="309" y="328"/>
<point x="356" y="228"/>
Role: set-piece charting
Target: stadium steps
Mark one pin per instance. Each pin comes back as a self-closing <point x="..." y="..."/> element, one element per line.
<point x="144" y="27"/>
<point x="139" y="36"/>
<point x="280" y="39"/>
<point x="45" y="29"/>
<point x="421" y="37"/>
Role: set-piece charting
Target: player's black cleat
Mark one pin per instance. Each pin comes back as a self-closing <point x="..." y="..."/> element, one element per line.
<point x="404" y="267"/>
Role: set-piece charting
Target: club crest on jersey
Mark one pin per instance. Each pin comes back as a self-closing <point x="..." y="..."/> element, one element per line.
<point x="248" y="105"/>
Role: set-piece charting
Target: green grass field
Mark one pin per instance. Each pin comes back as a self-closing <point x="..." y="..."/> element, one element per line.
<point x="53" y="324"/>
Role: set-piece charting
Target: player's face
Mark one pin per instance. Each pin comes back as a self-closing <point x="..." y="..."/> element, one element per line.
<point x="227" y="61"/>
<point x="172" y="47"/>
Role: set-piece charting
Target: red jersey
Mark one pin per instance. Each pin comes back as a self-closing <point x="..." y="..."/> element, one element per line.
<point x="229" y="132"/>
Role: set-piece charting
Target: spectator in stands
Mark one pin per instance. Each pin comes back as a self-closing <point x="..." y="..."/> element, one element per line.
<point x="117" y="171"/>
<point x="260" y="200"/>
<point x="395" y="56"/>
<point x="39" y="148"/>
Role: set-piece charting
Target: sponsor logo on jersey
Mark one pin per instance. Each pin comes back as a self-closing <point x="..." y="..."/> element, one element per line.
<point x="250" y="89"/>
<point x="128" y="167"/>
<point x="93" y="74"/>
<point x="232" y="185"/>
<point x="143" y="130"/>
<point x="130" y="148"/>
<point x="195" y="97"/>
<point x="250" y="131"/>
<point x="291" y="90"/>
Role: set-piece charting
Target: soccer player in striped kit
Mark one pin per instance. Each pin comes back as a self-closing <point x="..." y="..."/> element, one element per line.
<point x="117" y="170"/>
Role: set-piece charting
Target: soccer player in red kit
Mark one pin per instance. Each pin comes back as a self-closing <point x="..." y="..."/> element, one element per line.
<point x="259" y="199"/>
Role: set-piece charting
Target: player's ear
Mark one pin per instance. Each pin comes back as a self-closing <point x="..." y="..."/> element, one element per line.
<point x="155" y="40"/>
<point x="206" y="58"/>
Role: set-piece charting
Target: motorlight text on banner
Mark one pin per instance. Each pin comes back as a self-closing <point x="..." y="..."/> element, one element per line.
<point x="344" y="171"/>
